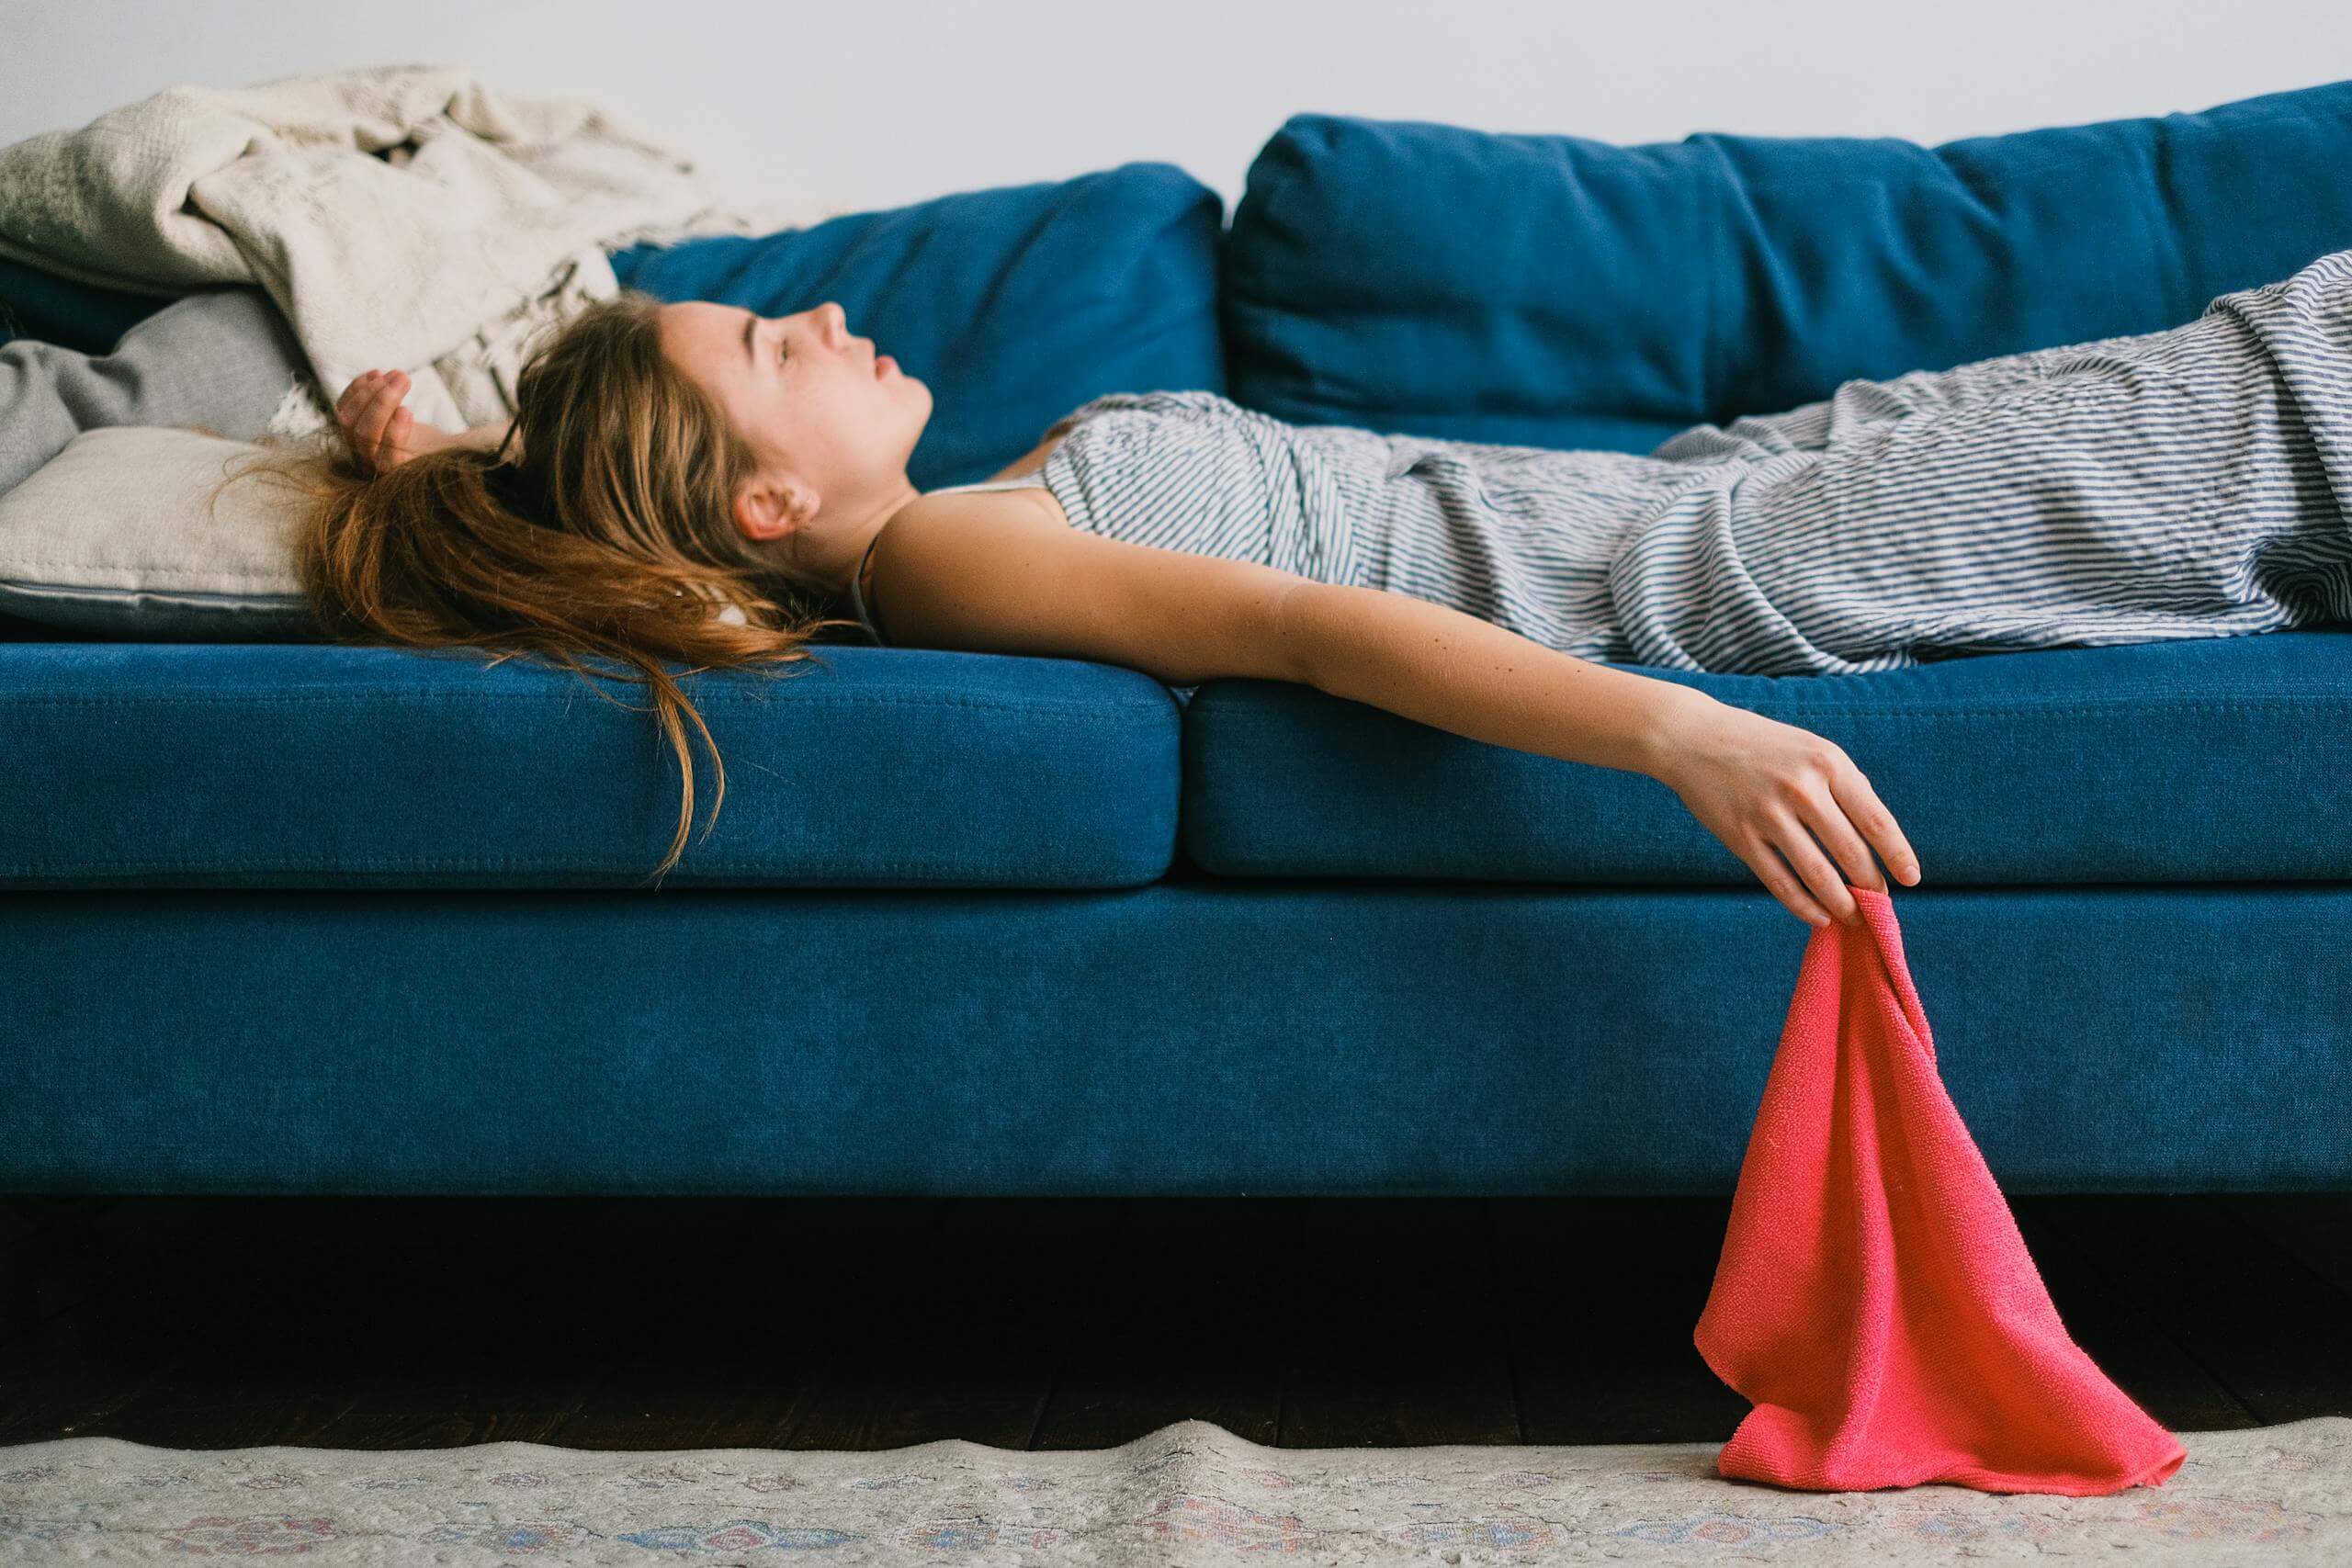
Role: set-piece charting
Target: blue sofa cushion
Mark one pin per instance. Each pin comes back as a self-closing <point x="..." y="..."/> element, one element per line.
<point x="1193" y="1037"/>
<point x="1015" y="305"/>
<point x="2203" y="761"/>
<point x="1556" y="292"/>
<point x="293" y="765"/>
<point x="38" y="304"/>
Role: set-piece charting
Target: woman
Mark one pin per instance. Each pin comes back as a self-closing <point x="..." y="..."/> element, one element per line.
<point x="665" y="458"/>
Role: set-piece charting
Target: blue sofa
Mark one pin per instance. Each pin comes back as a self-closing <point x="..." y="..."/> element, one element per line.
<point x="281" y="916"/>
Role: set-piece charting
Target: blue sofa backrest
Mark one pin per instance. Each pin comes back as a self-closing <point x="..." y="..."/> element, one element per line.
<point x="1555" y="291"/>
<point x="1539" y="289"/>
<point x="1013" y="304"/>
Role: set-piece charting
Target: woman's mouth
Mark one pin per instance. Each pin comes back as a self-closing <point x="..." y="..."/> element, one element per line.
<point x="883" y="365"/>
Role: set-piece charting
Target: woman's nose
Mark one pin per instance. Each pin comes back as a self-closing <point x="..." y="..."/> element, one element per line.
<point x="833" y="321"/>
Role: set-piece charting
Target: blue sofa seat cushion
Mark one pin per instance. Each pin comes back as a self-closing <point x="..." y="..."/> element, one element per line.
<point x="1556" y="292"/>
<point x="293" y="765"/>
<point x="2206" y="761"/>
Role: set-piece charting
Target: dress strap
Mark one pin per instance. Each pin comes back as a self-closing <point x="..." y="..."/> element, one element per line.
<point x="859" y="603"/>
<point x="1030" y="480"/>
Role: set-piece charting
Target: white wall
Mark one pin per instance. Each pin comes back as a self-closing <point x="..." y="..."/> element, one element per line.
<point x="869" y="103"/>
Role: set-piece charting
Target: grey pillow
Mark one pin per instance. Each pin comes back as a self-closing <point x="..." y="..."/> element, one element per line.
<point x="114" y="535"/>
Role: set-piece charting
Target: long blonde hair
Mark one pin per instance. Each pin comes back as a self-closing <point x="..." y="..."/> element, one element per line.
<point x="603" y="529"/>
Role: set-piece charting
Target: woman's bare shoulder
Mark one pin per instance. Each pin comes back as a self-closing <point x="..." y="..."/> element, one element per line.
<point x="941" y="557"/>
<point x="1003" y="572"/>
<point x="927" y="527"/>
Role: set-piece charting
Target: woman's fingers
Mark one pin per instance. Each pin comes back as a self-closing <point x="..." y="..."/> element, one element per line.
<point x="1824" y="817"/>
<point x="376" y="421"/>
<point x="1778" y="881"/>
<point x="1861" y="805"/>
<point x="1847" y="820"/>
<point x="362" y="389"/>
<point x="367" y="409"/>
<point x="354" y="395"/>
<point x="349" y="410"/>
<point x="1841" y="811"/>
<point x="1787" y="834"/>
<point x="373" y="418"/>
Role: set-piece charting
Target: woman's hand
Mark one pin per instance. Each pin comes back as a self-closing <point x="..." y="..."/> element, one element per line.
<point x="381" y="432"/>
<point x="1769" y="790"/>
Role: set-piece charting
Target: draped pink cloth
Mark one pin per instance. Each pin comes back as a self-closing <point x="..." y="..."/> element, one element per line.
<point x="1874" y="1300"/>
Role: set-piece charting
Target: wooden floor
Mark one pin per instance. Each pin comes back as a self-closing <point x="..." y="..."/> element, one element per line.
<point x="1035" y="1324"/>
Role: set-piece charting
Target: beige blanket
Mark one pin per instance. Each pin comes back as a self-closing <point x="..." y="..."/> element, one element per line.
<point x="402" y="216"/>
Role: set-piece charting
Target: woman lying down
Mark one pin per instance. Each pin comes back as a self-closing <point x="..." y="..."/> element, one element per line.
<point x="668" y="459"/>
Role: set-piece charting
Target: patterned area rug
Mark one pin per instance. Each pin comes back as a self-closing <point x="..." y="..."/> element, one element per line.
<point x="1191" y="1494"/>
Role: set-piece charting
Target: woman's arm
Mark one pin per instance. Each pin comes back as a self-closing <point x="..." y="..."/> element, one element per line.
<point x="1003" y="572"/>
<point x="484" y="437"/>
<point x="1776" y="796"/>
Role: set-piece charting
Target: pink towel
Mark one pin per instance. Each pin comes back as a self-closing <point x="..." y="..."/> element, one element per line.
<point x="1874" y="1300"/>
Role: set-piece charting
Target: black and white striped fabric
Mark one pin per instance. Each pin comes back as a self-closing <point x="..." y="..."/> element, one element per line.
<point x="2191" y="482"/>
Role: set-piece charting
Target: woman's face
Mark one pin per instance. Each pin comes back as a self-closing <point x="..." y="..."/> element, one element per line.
<point x="832" y="423"/>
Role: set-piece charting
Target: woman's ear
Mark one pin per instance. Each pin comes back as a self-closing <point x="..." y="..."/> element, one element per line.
<point x="768" y="508"/>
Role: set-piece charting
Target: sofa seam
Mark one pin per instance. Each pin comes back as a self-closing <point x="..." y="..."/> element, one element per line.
<point x="140" y="868"/>
<point x="2074" y="709"/>
<point x="505" y="699"/>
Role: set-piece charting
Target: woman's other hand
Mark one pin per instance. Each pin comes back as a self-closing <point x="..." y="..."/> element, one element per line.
<point x="382" y="434"/>
<point x="1769" y="790"/>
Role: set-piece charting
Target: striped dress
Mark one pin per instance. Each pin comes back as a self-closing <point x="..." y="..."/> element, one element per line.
<point x="2193" y="483"/>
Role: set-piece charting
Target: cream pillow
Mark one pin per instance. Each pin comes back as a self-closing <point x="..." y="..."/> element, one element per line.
<point x="113" y="535"/>
<point x="117" y="535"/>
